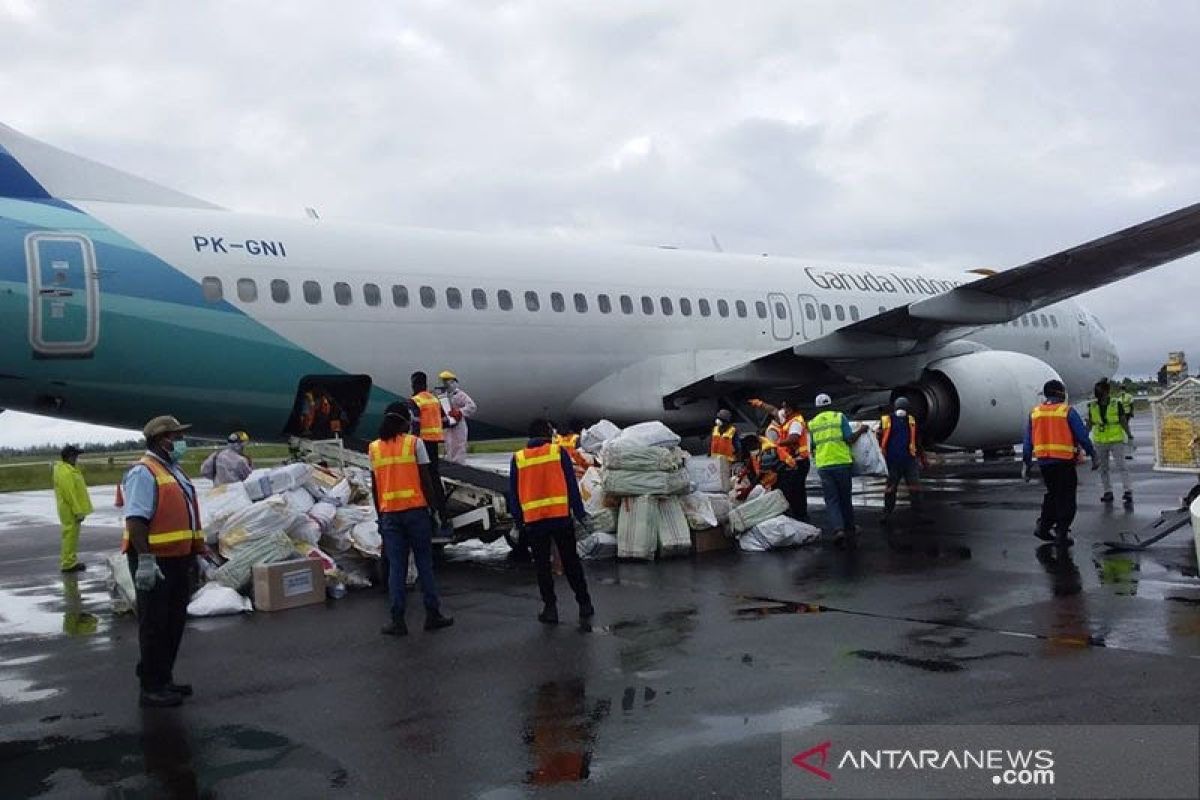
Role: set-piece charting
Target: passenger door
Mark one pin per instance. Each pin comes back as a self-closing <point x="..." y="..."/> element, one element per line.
<point x="64" y="295"/>
<point x="780" y="310"/>
<point x="810" y="317"/>
<point x="1085" y="335"/>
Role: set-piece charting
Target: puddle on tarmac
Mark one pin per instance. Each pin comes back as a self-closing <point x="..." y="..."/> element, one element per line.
<point x="926" y="664"/>
<point x="648" y="640"/>
<point x="774" y="608"/>
<point x="49" y="609"/>
<point x="164" y="759"/>
<point x="561" y="732"/>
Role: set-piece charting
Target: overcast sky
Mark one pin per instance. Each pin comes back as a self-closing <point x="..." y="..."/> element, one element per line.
<point x="950" y="134"/>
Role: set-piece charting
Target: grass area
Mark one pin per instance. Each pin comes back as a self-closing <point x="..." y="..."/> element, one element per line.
<point x="496" y="446"/>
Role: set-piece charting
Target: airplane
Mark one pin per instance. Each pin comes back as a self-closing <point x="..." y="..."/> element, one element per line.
<point x="121" y="299"/>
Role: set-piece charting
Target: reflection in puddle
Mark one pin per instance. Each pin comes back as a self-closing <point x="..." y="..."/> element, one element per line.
<point x="927" y="664"/>
<point x="561" y="733"/>
<point x="648" y="640"/>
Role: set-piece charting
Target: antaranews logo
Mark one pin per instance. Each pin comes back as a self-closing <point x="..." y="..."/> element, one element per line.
<point x="801" y="760"/>
<point x="1021" y="767"/>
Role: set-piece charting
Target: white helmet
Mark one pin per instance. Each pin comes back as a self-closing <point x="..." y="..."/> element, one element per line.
<point x="824" y="400"/>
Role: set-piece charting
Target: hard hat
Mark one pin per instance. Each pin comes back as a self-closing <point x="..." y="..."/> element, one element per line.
<point x="725" y="415"/>
<point x="901" y="402"/>
<point x="447" y="375"/>
<point x="238" y="437"/>
<point x="162" y="425"/>
<point x="824" y="400"/>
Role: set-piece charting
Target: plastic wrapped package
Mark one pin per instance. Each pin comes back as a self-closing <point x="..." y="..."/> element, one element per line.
<point x="776" y="533"/>
<point x="766" y="506"/>
<point x="298" y="500"/>
<point x="258" y="484"/>
<point x="721" y="505"/>
<point x="593" y="438"/>
<point x="597" y="545"/>
<point x="236" y="572"/>
<point x="304" y="529"/>
<point x="356" y="570"/>
<point x="260" y="519"/>
<point x="698" y="510"/>
<point x="215" y="599"/>
<point x="591" y="490"/>
<point x="221" y="503"/>
<point x="620" y="454"/>
<point x="289" y="476"/>
<point x="120" y="585"/>
<point x="868" y="457"/>
<point x="710" y="473"/>
<point x="323" y="514"/>
<point x="366" y="539"/>
<point x="637" y="520"/>
<point x="649" y="434"/>
<point x="674" y="537"/>
<point x="621" y="482"/>
<point x="602" y="521"/>
<point x="339" y="493"/>
<point x="349" y="516"/>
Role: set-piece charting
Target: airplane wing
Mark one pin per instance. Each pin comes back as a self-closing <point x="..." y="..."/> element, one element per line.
<point x="937" y="321"/>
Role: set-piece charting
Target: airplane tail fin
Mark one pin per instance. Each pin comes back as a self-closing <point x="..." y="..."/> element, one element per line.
<point x="33" y="170"/>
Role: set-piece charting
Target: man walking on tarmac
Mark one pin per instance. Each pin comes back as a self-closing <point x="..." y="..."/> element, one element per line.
<point x="162" y="535"/>
<point x="402" y="481"/>
<point x="790" y="438"/>
<point x="430" y="430"/>
<point x="543" y="496"/>
<point x="1108" y="425"/>
<point x="458" y="406"/>
<point x="830" y="441"/>
<point x="71" y="496"/>
<point x="1052" y="436"/>
<point x="902" y="451"/>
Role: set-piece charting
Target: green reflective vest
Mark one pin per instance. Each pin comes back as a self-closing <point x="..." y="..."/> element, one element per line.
<point x="830" y="448"/>
<point x="1110" y="430"/>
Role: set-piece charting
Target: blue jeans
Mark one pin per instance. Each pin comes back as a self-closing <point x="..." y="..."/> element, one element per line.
<point x="839" y="503"/>
<point x="403" y="531"/>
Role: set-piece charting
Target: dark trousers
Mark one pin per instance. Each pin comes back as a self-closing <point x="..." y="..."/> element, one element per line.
<point x="791" y="483"/>
<point x="560" y="532"/>
<point x="434" y="459"/>
<point x="402" y="532"/>
<point x="162" y="615"/>
<point x="1058" y="506"/>
<point x="839" y="499"/>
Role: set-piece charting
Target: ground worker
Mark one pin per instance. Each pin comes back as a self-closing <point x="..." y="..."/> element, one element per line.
<point x="569" y="439"/>
<point x="458" y="406"/>
<point x="1053" y="436"/>
<point x="229" y="464"/>
<point x="830" y="441"/>
<point x="787" y="430"/>
<point x="1126" y="401"/>
<point x="401" y="483"/>
<point x="756" y="467"/>
<point x="71" y="495"/>
<point x="430" y="429"/>
<point x="162" y="534"/>
<point x="899" y="440"/>
<point x="723" y="440"/>
<point x="543" y="496"/>
<point x="1108" y="425"/>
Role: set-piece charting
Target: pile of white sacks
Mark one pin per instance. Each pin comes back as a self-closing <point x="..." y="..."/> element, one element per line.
<point x="648" y="495"/>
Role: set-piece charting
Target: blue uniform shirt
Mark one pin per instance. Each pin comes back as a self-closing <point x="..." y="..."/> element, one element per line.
<point x="573" y="497"/>
<point x="897" y="445"/>
<point x="141" y="492"/>
<point x="1078" y="430"/>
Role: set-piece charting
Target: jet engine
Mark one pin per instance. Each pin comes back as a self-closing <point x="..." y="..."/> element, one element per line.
<point x="977" y="400"/>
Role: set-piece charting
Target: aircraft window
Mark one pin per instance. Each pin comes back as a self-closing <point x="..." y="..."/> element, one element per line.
<point x="760" y="308"/>
<point x="371" y="294"/>
<point x="428" y="297"/>
<point x="604" y="303"/>
<point x="668" y="307"/>
<point x="1034" y="319"/>
<point x="1024" y="322"/>
<point x="312" y="292"/>
<point x="213" y="292"/>
<point x="247" y="290"/>
<point x="840" y="312"/>
<point x="479" y="298"/>
<point x="854" y="313"/>
<point x="626" y="304"/>
<point x="647" y="305"/>
<point x="1045" y="322"/>
<point x="685" y="306"/>
<point x="723" y="308"/>
<point x="705" y="308"/>
<point x="341" y="293"/>
<point x="280" y="291"/>
<point x="581" y="304"/>
<point x="740" y="305"/>
<point x="400" y="296"/>
<point x="531" y="301"/>
<point x="504" y="298"/>
<point x="810" y="311"/>
<point x="1053" y="321"/>
<point x="557" y="302"/>
<point x="780" y="311"/>
<point x="453" y="297"/>
<point x="825" y="312"/>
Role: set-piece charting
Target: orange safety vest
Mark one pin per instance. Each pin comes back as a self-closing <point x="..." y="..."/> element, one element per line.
<point x="171" y="531"/>
<point x="397" y="476"/>
<point x="790" y="454"/>
<point x="541" y="484"/>
<point x="1052" y="437"/>
<point x="579" y="461"/>
<point x="885" y="433"/>
<point x="767" y="478"/>
<point x="430" y="409"/>
<point x="721" y="443"/>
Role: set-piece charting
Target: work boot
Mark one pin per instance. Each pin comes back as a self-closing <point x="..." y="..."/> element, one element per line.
<point x="586" y="611"/>
<point x="1043" y="532"/>
<point x="889" y="503"/>
<point x="839" y="537"/>
<point x="397" y="627"/>
<point x="1106" y="498"/>
<point x="181" y="689"/>
<point x="549" y="615"/>
<point x="435" y="621"/>
<point x="161" y="698"/>
<point x="1063" y="538"/>
<point x="1127" y="499"/>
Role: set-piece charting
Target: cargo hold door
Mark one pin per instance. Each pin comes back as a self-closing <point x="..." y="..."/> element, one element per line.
<point x="328" y="406"/>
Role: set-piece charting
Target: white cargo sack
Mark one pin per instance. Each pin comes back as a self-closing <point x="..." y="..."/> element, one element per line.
<point x="591" y="490"/>
<point x="254" y="522"/>
<point x="221" y="503"/>
<point x="258" y="484"/>
<point x="721" y="505"/>
<point x="213" y="600"/>
<point x="649" y="434"/>
<point x="304" y="529"/>
<point x="636" y="523"/>
<point x="597" y="545"/>
<point x="602" y="521"/>
<point x="323" y="514"/>
<point x="289" y="476"/>
<point x="298" y="500"/>
<point x="710" y="473"/>
<point x="868" y="458"/>
<point x="366" y="538"/>
<point x="625" y="455"/>
<point x="235" y="573"/>
<point x="120" y="585"/>
<point x="776" y="533"/>
<point x="339" y="495"/>
<point x="621" y="482"/>
<point x="764" y="507"/>
<point x="593" y="438"/>
<point x="699" y="512"/>
<point x="674" y="537"/>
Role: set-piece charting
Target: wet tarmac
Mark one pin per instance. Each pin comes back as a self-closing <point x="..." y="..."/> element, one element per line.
<point x="680" y="688"/>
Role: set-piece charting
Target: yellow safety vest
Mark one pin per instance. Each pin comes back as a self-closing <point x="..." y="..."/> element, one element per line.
<point x="830" y="448"/>
<point x="1108" y="431"/>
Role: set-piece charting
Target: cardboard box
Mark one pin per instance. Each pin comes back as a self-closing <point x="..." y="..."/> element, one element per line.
<point x="711" y="540"/>
<point x="288" y="584"/>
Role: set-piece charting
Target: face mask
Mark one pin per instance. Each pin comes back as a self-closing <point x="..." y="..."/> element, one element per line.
<point x="178" y="448"/>
<point x="451" y="386"/>
<point x="781" y="415"/>
<point x="901" y="413"/>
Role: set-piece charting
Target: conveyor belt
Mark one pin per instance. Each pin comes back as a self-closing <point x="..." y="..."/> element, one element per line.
<point x="482" y="478"/>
